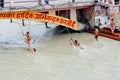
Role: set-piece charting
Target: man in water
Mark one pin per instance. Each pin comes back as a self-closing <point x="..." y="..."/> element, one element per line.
<point x="96" y="33"/>
<point x="28" y="38"/>
<point x="112" y="25"/>
<point x="75" y="42"/>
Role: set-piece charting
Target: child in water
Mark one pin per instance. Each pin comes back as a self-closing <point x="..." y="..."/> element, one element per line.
<point x="33" y="50"/>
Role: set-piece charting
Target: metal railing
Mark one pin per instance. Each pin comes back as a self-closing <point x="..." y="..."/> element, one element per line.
<point x="32" y="4"/>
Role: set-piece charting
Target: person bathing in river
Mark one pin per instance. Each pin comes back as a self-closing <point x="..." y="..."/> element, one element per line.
<point x="112" y="25"/>
<point x="28" y="38"/>
<point x="96" y="33"/>
<point x="33" y="50"/>
<point x="75" y="42"/>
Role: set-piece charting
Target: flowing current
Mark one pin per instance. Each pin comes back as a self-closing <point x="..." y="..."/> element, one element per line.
<point x="56" y="58"/>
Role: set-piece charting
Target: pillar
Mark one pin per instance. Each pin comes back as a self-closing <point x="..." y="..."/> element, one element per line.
<point x="23" y="22"/>
<point x="73" y="14"/>
<point x="52" y="12"/>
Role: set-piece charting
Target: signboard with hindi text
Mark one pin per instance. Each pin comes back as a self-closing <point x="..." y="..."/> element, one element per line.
<point x="34" y="15"/>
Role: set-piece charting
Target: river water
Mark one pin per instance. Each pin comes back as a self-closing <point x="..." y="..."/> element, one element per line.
<point x="56" y="58"/>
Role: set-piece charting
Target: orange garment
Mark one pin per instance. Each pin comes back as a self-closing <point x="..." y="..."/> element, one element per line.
<point x="28" y="37"/>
